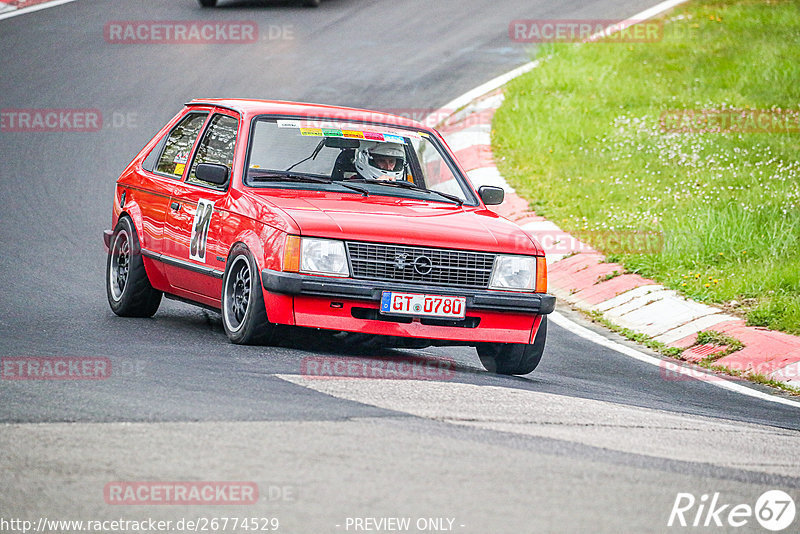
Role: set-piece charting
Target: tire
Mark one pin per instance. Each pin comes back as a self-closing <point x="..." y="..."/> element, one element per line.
<point x="244" y="315"/>
<point x="208" y="3"/>
<point x="514" y="358"/>
<point x="127" y="286"/>
<point x="312" y="3"/>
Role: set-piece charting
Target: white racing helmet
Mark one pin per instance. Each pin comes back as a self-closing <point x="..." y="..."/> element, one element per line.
<point x="380" y="161"/>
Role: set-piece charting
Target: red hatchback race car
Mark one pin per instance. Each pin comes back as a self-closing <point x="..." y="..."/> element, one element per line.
<point x="278" y="213"/>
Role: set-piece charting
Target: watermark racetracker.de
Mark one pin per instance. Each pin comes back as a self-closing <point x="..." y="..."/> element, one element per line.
<point x="55" y="368"/>
<point x="59" y="368"/>
<point x="440" y="118"/>
<point x="601" y="30"/>
<point x="181" y="493"/>
<point x="702" y="121"/>
<point x="188" y="32"/>
<point x="396" y="368"/>
<point x="78" y="120"/>
<point x="674" y="371"/>
<point x="607" y="241"/>
<point x="580" y="30"/>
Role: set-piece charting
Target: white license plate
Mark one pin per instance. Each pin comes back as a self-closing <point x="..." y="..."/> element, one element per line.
<point x="424" y="305"/>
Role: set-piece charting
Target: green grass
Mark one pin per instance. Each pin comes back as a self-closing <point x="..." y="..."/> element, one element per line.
<point x="580" y="138"/>
<point x="644" y="339"/>
<point x="712" y="337"/>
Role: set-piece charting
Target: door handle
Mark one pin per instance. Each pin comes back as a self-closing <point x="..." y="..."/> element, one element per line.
<point x="175" y="206"/>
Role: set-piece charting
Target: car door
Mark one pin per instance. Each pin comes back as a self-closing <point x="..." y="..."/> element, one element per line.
<point x="160" y="172"/>
<point x="194" y="218"/>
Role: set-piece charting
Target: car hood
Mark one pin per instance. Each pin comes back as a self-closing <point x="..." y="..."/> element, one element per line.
<point x="403" y="221"/>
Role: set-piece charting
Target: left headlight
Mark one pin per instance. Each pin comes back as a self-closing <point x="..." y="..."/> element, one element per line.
<point x="323" y="256"/>
<point x="517" y="273"/>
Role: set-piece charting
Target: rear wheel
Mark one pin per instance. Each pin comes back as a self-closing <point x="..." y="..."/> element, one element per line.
<point x="514" y="358"/>
<point x="244" y="315"/>
<point x="208" y="3"/>
<point x="127" y="286"/>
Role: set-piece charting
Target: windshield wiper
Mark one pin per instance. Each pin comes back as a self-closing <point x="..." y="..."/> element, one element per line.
<point x="312" y="156"/>
<point x="407" y="185"/>
<point x="282" y="176"/>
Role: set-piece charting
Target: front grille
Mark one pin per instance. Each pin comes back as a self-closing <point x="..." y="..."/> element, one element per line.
<point x="454" y="268"/>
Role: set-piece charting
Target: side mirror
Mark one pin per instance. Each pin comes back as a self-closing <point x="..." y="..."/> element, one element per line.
<point x="212" y="173"/>
<point x="491" y="195"/>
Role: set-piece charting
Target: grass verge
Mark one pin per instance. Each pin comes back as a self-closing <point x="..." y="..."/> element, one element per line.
<point x="582" y="137"/>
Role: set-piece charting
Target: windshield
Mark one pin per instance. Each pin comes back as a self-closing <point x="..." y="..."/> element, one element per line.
<point x="328" y="155"/>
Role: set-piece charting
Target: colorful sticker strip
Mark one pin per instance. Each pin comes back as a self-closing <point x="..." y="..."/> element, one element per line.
<point x="350" y="130"/>
<point x="353" y="134"/>
<point x="390" y="138"/>
<point x="373" y="136"/>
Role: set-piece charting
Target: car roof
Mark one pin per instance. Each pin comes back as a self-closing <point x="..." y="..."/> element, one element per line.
<point x="249" y="108"/>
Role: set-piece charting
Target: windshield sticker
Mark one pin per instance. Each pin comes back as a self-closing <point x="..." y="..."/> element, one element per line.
<point x="349" y="131"/>
<point x="372" y="132"/>
<point x="181" y="157"/>
<point x="179" y="169"/>
<point x="288" y="124"/>
<point x="390" y="138"/>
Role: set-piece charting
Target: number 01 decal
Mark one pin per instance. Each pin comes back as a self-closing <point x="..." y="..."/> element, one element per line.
<point x="202" y="220"/>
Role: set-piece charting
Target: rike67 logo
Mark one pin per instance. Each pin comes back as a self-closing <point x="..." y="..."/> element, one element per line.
<point x="774" y="510"/>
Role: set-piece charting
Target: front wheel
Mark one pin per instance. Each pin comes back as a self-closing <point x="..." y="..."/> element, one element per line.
<point x="127" y="286"/>
<point x="514" y="358"/>
<point x="244" y="315"/>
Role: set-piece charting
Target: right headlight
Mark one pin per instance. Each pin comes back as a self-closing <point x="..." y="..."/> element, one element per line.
<point x="323" y="256"/>
<point x="514" y="273"/>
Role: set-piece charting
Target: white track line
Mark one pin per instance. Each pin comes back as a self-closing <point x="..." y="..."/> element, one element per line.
<point x="715" y="380"/>
<point x="39" y="7"/>
<point x="559" y="319"/>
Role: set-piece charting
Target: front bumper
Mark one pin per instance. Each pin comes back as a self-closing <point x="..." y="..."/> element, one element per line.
<point x="368" y="290"/>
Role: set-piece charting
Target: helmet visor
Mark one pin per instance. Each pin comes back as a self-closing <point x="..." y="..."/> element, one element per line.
<point x="386" y="163"/>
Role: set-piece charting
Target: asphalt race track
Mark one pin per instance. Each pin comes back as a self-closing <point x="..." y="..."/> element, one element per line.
<point x="592" y="440"/>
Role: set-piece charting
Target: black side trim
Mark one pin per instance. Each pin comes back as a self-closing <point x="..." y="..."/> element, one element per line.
<point x="169" y="260"/>
<point x="322" y="286"/>
<point x="146" y="191"/>
<point x="192" y="302"/>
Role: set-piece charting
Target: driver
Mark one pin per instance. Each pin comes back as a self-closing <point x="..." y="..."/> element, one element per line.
<point x="380" y="161"/>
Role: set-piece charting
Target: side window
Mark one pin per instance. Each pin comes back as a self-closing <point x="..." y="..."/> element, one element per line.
<point x="216" y="146"/>
<point x="149" y="163"/>
<point x="179" y="144"/>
